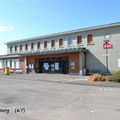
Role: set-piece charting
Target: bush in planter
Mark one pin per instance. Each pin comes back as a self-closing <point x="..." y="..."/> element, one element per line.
<point x="97" y="77"/>
<point x="115" y="77"/>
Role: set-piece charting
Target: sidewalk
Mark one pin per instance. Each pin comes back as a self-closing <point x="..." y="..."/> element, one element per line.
<point x="54" y="77"/>
<point x="60" y="78"/>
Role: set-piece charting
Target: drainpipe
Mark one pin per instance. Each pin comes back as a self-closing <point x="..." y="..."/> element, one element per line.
<point x="85" y="59"/>
<point x="85" y="63"/>
<point x="25" y="59"/>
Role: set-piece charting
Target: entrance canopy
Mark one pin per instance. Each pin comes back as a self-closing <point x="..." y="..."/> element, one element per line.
<point x="54" y="51"/>
<point x="9" y="56"/>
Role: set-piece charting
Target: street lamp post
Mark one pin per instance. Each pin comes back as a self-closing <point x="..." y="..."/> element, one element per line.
<point x="106" y="44"/>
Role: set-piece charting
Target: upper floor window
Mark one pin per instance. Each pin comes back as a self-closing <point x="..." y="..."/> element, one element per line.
<point x="79" y="39"/>
<point x="15" y="48"/>
<point x="32" y="46"/>
<point x="70" y="40"/>
<point x="10" y="48"/>
<point x="52" y="43"/>
<point x="89" y="38"/>
<point x="38" y="45"/>
<point x="20" y="47"/>
<point x="60" y="42"/>
<point x="26" y="46"/>
<point x="45" y="44"/>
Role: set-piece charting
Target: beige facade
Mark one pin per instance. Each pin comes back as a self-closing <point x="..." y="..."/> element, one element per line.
<point x="90" y="54"/>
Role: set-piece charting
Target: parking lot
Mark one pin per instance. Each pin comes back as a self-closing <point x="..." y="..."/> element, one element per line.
<point x="49" y="97"/>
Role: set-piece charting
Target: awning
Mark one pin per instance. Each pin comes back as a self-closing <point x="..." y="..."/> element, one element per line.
<point x="47" y="51"/>
<point x="10" y="56"/>
<point x="54" y="51"/>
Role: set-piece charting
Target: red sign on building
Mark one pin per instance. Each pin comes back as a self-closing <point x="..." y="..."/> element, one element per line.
<point x="107" y="45"/>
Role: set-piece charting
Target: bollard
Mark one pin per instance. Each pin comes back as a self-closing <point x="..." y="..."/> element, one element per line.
<point x="6" y="70"/>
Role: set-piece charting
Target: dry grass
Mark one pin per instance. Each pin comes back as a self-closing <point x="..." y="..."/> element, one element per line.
<point x="115" y="77"/>
<point x="97" y="77"/>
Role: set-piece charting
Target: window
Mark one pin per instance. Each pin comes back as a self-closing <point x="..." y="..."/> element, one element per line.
<point x="70" y="40"/>
<point x="1" y="63"/>
<point x="89" y="39"/>
<point x="32" y="46"/>
<point x="10" y="48"/>
<point x="20" y="47"/>
<point x="8" y="63"/>
<point x="60" y="42"/>
<point x="11" y="63"/>
<point x="26" y="46"/>
<point x="52" y="43"/>
<point x="45" y="44"/>
<point x="17" y="63"/>
<point x="15" y="48"/>
<point x="4" y="63"/>
<point x="79" y="39"/>
<point x="38" y="45"/>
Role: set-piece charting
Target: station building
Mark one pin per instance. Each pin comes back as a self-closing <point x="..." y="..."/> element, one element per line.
<point x="81" y="51"/>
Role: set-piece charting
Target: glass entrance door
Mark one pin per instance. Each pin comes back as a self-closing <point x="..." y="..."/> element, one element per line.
<point x="52" y="65"/>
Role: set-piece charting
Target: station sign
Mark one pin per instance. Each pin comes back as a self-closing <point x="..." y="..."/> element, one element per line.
<point x="107" y="45"/>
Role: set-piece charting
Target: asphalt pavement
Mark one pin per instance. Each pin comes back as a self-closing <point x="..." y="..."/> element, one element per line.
<point x="57" y="97"/>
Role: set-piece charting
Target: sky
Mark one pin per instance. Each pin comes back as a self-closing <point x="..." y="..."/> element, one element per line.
<point x="21" y="19"/>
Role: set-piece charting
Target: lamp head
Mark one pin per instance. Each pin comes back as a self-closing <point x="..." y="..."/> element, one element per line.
<point x="106" y="41"/>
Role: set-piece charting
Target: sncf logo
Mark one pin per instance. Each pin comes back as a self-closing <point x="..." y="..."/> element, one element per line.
<point x="107" y="45"/>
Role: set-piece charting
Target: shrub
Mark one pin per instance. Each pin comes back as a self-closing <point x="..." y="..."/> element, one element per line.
<point x="115" y="77"/>
<point x="97" y="77"/>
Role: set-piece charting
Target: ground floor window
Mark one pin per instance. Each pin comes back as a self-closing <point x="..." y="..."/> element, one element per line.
<point x="1" y="63"/>
<point x="11" y="63"/>
<point x="17" y="63"/>
<point x="8" y="63"/>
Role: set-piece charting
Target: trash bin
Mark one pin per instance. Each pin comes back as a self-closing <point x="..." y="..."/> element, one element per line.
<point x="6" y="70"/>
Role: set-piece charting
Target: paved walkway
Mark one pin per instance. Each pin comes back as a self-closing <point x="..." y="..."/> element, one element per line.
<point x="60" y="78"/>
<point x="47" y="76"/>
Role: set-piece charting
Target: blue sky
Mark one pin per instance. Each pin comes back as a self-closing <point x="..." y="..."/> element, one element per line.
<point x="28" y="18"/>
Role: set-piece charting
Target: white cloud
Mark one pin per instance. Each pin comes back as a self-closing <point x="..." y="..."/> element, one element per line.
<point x="4" y="28"/>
